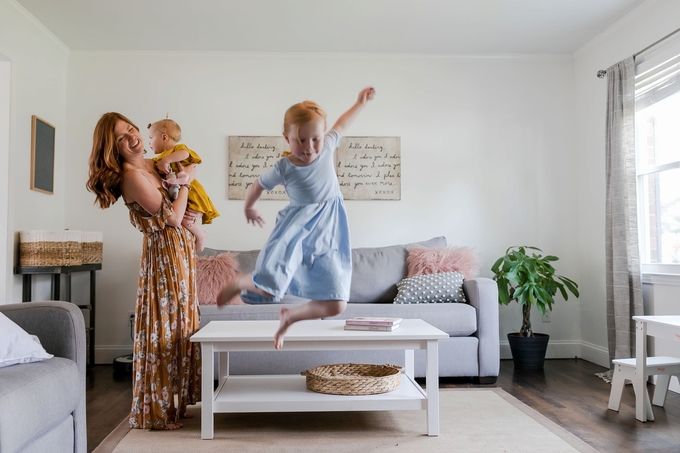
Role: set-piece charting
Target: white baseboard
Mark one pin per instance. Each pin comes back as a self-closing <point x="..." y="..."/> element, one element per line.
<point x="566" y="349"/>
<point x="595" y="354"/>
<point x="559" y="349"/>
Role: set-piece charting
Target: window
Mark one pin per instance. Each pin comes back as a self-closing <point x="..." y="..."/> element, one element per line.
<point x="657" y="145"/>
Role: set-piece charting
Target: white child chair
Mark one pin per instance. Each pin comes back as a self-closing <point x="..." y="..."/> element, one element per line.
<point x="624" y="369"/>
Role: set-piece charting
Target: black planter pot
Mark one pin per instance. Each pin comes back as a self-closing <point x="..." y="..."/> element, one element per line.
<point x="528" y="353"/>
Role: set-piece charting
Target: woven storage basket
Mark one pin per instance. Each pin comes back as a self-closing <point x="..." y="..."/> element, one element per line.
<point x="50" y="248"/>
<point x="353" y="378"/>
<point x="92" y="247"/>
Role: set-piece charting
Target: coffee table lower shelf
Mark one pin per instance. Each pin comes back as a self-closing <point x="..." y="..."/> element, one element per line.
<point x="289" y="393"/>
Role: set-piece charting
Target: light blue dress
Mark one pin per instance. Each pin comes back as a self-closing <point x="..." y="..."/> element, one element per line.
<point x="308" y="254"/>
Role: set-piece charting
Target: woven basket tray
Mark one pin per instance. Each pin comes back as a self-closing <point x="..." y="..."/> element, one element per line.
<point x="353" y="378"/>
<point x="92" y="247"/>
<point x="50" y="248"/>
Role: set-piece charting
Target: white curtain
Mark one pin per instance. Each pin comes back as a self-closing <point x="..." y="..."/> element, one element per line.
<point x="624" y="286"/>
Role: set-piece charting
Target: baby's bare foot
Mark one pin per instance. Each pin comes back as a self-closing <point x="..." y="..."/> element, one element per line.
<point x="285" y="322"/>
<point x="187" y="415"/>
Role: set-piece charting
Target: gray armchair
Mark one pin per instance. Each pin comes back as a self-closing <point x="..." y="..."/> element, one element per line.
<point x="42" y="404"/>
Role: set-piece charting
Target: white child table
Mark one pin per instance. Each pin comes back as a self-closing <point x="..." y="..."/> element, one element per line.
<point x="667" y="327"/>
<point x="289" y="393"/>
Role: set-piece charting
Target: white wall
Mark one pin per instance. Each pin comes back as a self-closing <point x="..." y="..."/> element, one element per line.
<point x="642" y="27"/>
<point x="495" y="152"/>
<point x="487" y="153"/>
<point x="37" y="87"/>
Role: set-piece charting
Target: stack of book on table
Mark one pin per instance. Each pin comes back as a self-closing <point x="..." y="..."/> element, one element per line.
<point x="370" y="323"/>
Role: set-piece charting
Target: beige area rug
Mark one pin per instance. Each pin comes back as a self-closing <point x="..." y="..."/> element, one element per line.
<point x="471" y="420"/>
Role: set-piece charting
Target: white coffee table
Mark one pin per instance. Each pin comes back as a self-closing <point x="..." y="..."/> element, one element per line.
<point x="289" y="393"/>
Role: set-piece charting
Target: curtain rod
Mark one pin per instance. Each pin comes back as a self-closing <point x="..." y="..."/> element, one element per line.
<point x="602" y="73"/>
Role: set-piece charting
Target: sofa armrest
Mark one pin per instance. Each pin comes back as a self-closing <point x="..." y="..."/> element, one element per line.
<point x="482" y="293"/>
<point x="60" y="326"/>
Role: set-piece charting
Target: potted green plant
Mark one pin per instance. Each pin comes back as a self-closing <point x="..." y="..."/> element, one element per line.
<point x="529" y="278"/>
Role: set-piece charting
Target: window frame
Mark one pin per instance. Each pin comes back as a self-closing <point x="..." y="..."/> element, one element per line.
<point x="669" y="272"/>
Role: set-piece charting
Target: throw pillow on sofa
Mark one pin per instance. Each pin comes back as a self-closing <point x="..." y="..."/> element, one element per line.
<point x="212" y="274"/>
<point x="17" y="346"/>
<point x="431" y="288"/>
<point x="428" y="260"/>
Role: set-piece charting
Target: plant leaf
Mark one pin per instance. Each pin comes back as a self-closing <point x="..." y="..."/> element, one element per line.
<point x="571" y="285"/>
<point x="496" y="266"/>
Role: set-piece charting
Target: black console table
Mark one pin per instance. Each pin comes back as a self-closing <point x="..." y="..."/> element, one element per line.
<point x="56" y="272"/>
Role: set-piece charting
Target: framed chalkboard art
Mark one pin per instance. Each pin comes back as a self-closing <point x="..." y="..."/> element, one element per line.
<point x="42" y="156"/>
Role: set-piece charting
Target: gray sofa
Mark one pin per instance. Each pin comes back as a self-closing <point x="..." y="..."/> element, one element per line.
<point x="42" y="404"/>
<point x="472" y="349"/>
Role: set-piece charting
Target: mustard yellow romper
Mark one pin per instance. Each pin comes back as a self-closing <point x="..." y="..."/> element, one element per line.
<point x="198" y="198"/>
<point x="165" y="363"/>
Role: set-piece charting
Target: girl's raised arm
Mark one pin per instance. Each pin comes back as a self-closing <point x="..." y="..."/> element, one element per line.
<point x="347" y="118"/>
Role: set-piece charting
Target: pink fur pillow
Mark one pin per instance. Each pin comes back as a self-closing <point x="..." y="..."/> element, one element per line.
<point x="423" y="260"/>
<point x="212" y="274"/>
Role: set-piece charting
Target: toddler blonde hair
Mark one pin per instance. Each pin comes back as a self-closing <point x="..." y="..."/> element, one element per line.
<point x="169" y="128"/>
<point x="301" y="114"/>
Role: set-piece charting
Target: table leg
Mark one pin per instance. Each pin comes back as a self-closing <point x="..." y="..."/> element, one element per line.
<point x="223" y="367"/>
<point x="67" y="286"/>
<point x="26" y="288"/>
<point x="56" y="290"/>
<point x="409" y="363"/>
<point x="207" y="391"/>
<point x="642" y="404"/>
<point x="432" y="388"/>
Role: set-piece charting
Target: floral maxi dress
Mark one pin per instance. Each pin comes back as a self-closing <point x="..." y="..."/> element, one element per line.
<point x="166" y="365"/>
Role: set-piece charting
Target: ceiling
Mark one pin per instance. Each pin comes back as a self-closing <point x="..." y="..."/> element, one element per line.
<point x="347" y="26"/>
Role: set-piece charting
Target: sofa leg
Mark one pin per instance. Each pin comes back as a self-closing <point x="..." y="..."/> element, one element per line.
<point x="486" y="380"/>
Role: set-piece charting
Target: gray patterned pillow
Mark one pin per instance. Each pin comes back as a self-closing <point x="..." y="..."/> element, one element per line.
<point x="431" y="288"/>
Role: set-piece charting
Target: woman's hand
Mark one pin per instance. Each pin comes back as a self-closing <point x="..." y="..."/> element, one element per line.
<point x="190" y="170"/>
<point x="254" y="218"/>
<point x="190" y="218"/>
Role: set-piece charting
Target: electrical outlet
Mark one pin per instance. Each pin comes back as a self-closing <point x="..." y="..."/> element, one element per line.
<point x="131" y="317"/>
<point x="546" y="317"/>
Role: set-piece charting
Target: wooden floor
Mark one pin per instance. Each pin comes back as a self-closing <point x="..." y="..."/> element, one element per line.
<point x="565" y="391"/>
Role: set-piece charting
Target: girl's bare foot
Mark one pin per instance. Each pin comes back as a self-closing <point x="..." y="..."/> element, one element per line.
<point x="233" y="289"/>
<point x="187" y="415"/>
<point x="201" y="237"/>
<point x="285" y="322"/>
<point x="228" y="292"/>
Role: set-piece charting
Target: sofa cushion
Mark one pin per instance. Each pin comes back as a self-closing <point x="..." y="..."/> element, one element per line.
<point x="424" y="260"/>
<point x="212" y="274"/>
<point x="246" y="259"/>
<point x="25" y="389"/>
<point x="431" y="288"/>
<point x="377" y="270"/>
<point x="457" y="320"/>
